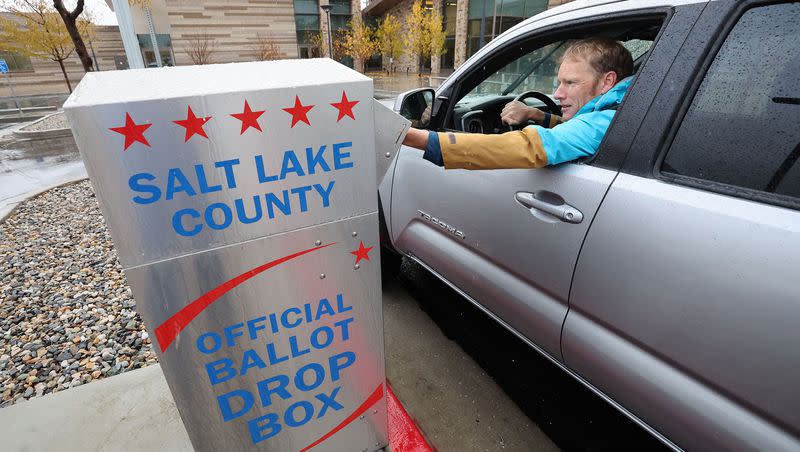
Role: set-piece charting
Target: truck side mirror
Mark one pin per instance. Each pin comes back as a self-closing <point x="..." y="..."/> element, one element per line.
<point x="416" y="106"/>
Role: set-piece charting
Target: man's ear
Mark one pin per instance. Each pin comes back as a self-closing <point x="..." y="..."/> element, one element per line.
<point x="607" y="81"/>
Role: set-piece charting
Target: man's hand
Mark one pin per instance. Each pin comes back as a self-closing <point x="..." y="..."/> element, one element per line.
<point x="416" y="138"/>
<point x="516" y="112"/>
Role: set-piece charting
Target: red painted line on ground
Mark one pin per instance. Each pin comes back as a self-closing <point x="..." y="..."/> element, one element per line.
<point x="404" y="435"/>
<point x="169" y="330"/>
<point x="371" y="400"/>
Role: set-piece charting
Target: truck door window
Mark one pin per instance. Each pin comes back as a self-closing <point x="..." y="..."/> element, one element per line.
<point x="531" y="66"/>
<point x="742" y="128"/>
<point x="536" y="70"/>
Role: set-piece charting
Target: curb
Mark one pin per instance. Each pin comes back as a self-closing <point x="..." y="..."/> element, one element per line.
<point x="30" y="195"/>
<point x="23" y="134"/>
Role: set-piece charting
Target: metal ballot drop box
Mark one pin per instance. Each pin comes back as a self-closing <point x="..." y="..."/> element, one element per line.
<point x="242" y="201"/>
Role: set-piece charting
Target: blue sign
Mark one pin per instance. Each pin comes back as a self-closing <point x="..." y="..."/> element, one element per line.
<point x="3" y="66"/>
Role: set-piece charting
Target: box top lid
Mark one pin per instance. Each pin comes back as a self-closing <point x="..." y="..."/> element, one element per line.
<point x="135" y="85"/>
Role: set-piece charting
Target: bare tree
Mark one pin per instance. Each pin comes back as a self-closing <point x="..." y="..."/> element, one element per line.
<point x="200" y="47"/>
<point x="266" y="48"/>
<point x="70" y="19"/>
<point x="35" y="29"/>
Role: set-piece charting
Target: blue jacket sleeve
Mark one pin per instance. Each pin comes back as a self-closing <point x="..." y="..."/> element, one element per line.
<point x="576" y="138"/>
<point x="433" y="151"/>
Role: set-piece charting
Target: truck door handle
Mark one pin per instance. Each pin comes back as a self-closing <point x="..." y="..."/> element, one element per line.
<point x="550" y="203"/>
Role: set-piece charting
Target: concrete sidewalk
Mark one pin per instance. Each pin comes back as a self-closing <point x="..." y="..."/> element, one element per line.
<point x="21" y="179"/>
<point x="132" y="411"/>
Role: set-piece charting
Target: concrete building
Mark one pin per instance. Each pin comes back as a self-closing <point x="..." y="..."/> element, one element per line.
<point x="233" y="30"/>
<point x="235" y="26"/>
<point x="32" y="76"/>
<point x="468" y="24"/>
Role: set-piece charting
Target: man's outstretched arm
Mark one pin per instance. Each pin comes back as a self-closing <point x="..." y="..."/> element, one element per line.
<point x="531" y="147"/>
<point x="517" y="149"/>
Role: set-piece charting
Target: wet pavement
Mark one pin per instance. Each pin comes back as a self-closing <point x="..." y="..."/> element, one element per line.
<point x="20" y="177"/>
<point x="571" y="416"/>
<point x="389" y="86"/>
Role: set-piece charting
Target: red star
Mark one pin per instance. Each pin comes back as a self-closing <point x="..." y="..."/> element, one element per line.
<point x="298" y="112"/>
<point x="193" y="125"/>
<point x="345" y="107"/>
<point x="249" y="118"/>
<point x="133" y="132"/>
<point x="361" y="252"/>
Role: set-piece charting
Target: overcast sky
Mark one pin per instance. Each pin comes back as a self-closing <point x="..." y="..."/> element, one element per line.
<point x="101" y="12"/>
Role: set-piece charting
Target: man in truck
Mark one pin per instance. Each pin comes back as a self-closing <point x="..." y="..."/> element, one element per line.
<point x="593" y="77"/>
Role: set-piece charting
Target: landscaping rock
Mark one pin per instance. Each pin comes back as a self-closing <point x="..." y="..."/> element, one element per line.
<point x="66" y="311"/>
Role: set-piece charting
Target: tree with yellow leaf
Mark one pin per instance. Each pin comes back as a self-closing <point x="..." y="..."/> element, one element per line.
<point x="319" y="44"/>
<point x="389" y="40"/>
<point x="358" y="42"/>
<point x="266" y="48"/>
<point x="418" y="37"/>
<point x="37" y="30"/>
<point x="425" y="33"/>
<point x="436" y="32"/>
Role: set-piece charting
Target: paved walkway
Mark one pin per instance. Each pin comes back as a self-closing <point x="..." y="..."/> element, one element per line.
<point x="131" y="411"/>
<point x="23" y="178"/>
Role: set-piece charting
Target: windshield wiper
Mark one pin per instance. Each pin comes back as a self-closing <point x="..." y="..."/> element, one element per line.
<point x="533" y="67"/>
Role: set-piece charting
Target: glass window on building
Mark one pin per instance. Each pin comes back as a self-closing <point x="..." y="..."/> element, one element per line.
<point x="340" y="7"/>
<point x="16" y="61"/>
<point x="306" y="21"/>
<point x="306" y="7"/>
<point x="449" y="17"/>
<point x="340" y="18"/>
<point x="164" y="48"/>
<point x="308" y="25"/>
<point x="489" y="18"/>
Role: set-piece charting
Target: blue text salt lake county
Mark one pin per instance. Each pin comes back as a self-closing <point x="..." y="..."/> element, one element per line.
<point x="259" y="345"/>
<point x="164" y="186"/>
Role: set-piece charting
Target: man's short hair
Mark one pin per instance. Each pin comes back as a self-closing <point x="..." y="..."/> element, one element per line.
<point x="603" y="55"/>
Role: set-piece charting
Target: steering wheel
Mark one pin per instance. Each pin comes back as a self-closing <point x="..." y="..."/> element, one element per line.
<point x="552" y="107"/>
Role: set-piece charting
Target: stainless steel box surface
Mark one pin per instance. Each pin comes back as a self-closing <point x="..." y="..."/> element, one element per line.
<point x="242" y="202"/>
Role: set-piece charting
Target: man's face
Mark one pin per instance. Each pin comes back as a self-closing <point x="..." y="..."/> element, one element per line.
<point x="578" y="84"/>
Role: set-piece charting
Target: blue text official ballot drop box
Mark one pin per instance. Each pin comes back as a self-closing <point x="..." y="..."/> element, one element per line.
<point x="242" y="201"/>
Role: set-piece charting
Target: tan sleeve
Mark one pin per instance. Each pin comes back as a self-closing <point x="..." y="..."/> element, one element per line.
<point x="517" y="149"/>
<point x="554" y="121"/>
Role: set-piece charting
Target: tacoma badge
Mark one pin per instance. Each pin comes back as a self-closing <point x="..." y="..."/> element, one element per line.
<point x="442" y="224"/>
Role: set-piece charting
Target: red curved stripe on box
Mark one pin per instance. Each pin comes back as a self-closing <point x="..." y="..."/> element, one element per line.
<point x="371" y="400"/>
<point x="167" y="331"/>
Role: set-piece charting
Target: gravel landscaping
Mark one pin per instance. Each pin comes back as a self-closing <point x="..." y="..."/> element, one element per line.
<point x="66" y="312"/>
<point x="55" y="121"/>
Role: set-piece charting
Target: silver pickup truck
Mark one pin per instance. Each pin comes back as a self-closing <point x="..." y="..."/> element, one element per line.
<point x="663" y="272"/>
